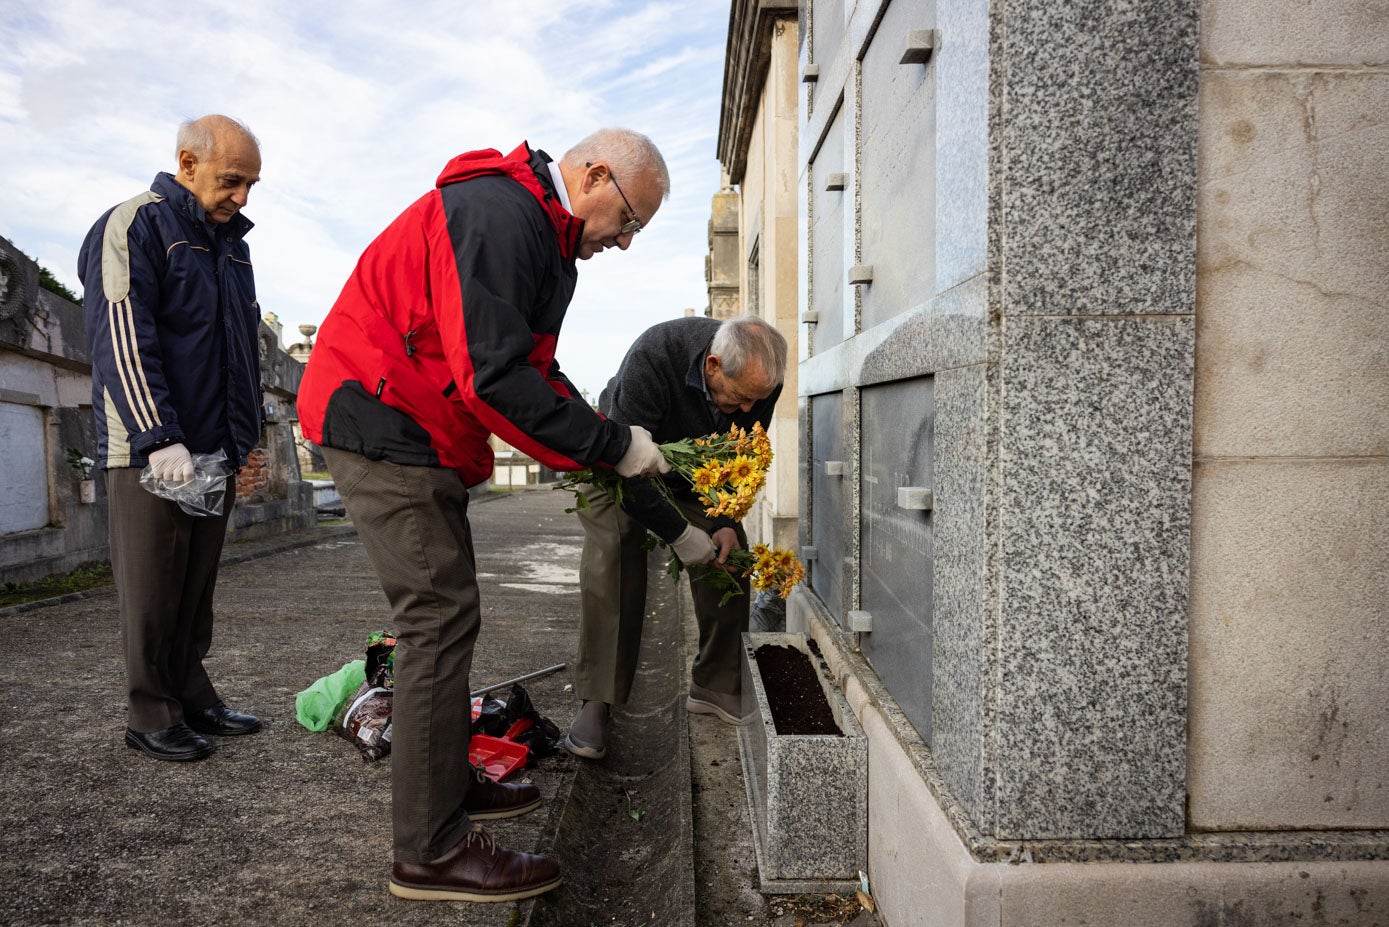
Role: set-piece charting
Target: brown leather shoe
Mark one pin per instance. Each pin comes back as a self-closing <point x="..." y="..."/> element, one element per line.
<point x="487" y="800"/>
<point x="476" y="870"/>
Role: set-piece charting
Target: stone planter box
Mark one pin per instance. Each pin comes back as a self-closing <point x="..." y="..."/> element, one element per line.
<point x="807" y="794"/>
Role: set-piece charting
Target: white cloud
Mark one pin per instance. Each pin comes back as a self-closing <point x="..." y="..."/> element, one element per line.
<point x="358" y="105"/>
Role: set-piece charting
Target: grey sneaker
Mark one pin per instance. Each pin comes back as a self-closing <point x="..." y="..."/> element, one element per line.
<point x="726" y="706"/>
<point x="586" y="731"/>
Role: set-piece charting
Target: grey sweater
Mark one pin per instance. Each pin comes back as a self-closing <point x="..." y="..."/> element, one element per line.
<point x="660" y="386"/>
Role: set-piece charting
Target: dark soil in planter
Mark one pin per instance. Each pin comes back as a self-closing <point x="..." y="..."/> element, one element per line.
<point x="794" y="695"/>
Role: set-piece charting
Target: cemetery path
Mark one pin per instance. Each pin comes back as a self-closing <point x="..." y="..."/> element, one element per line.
<point x="289" y="827"/>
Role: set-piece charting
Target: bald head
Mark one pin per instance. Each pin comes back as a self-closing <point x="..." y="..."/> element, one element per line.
<point x="201" y="135"/>
<point x="218" y="162"/>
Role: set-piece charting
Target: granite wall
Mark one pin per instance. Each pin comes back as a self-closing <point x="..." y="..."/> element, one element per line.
<point x="1008" y="272"/>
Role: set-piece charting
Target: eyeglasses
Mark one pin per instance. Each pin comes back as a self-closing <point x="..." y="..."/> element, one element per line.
<point x="633" y="225"/>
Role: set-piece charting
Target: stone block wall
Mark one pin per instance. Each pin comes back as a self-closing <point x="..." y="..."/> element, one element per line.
<point x="766" y="261"/>
<point x="1290" y="540"/>
<point x="45" y="409"/>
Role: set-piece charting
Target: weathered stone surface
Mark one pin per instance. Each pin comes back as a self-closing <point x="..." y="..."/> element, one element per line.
<point x="1293" y="319"/>
<point x="1289" y="647"/>
<point x="1345" y="33"/>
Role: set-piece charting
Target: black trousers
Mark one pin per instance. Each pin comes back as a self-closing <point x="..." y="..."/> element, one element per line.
<point x="165" y="565"/>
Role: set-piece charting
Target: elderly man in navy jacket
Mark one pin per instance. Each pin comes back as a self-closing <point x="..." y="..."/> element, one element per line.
<point x="172" y="321"/>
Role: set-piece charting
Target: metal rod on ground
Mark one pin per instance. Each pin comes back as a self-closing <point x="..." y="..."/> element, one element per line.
<point x="538" y="673"/>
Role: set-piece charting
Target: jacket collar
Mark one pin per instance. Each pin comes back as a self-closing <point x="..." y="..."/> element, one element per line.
<point x="181" y="198"/>
<point x="531" y="170"/>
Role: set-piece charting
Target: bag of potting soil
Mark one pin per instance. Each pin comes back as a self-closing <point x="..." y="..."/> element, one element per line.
<point x="366" y="718"/>
<point x="380" y="665"/>
<point x="367" y="721"/>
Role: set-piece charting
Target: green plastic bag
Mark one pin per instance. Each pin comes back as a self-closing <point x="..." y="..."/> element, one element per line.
<point x="316" y="705"/>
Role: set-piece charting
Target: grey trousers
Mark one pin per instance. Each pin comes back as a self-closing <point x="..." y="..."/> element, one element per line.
<point x="413" y="522"/>
<point x="165" y="565"/>
<point x="612" y="602"/>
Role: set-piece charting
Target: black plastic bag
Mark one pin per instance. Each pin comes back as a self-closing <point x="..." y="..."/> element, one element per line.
<point x="541" y="735"/>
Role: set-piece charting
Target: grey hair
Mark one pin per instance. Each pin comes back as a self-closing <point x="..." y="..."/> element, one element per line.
<point x="741" y="339"/>
<point x="627" y="152"/>
<point x="200" y="135"/>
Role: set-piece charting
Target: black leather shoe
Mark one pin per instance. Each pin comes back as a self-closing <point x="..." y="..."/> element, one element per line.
<point x="180" y="744"/>
<point x="219" y="719"/>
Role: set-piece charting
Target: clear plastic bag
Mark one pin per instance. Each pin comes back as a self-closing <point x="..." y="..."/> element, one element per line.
<point x="768" y="613"/>
<point x="204" y="494"/>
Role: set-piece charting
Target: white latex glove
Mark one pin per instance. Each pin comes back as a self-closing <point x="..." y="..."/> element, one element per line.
<point x="643" y="457"/>
<point x="173" y="464"/>
<point x="694" y="546"/>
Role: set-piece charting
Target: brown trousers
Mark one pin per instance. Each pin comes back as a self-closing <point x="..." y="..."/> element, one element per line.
<point x="165" y="565"/>
<point x="612" y="602"/>
<point x="413" y="522"/>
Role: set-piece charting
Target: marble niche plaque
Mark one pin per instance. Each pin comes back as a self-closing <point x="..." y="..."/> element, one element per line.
<point x="829" y="471"/>
<point x="896" y="581"/>
<point x="898" y="174"/>
<point x="831" y="238"/>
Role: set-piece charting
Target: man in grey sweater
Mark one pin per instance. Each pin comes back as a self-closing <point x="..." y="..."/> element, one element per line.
<point x="685" y="378"/>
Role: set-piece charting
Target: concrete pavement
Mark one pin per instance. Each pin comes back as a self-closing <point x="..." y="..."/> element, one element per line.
<point x="286" y="827"/>
<point x="289" y="827"/>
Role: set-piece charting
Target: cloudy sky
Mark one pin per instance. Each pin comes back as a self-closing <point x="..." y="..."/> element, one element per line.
<point x="358" y="105"/>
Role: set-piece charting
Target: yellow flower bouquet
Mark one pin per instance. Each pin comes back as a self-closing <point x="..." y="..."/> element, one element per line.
<point x="727" y="471"/>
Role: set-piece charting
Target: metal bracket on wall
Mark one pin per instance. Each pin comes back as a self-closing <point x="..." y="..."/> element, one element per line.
<point x="861" y="273"/>
<point x="915" y="498"/>
<point x="810" y="317"/>
<point x="836" y="182"/>
<point x="920" y="46"/>
<point x="811" y="74"/>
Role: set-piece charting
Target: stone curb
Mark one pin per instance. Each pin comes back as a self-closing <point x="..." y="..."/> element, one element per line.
<point x="229" y="557"/>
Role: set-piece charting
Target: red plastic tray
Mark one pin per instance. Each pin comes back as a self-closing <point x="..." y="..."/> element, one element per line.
<point x="497" y="757"/>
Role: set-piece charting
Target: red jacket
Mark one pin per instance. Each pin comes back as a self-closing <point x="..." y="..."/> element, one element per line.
<point x="446" y="331"/>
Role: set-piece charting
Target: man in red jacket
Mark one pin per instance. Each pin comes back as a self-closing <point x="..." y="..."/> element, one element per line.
<point x="445" y="333"/>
